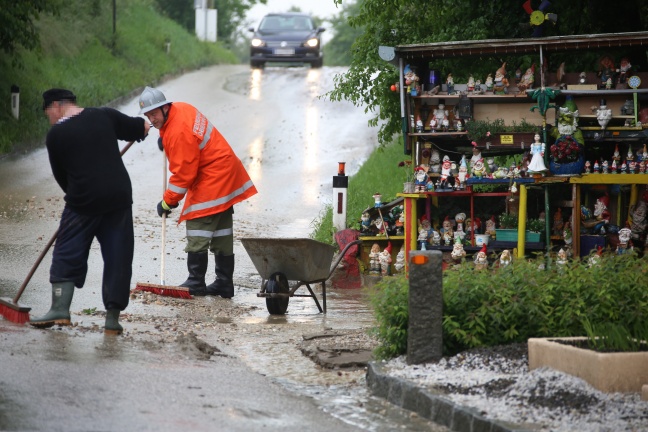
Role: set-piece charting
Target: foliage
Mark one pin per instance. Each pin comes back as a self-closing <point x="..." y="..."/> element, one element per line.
<point x="535" y="225"/>
<point x="610" y="337"/>
<point x="566" y="149"/>
<point x="520" y="301"/>
<point x="478" y="130"/>
<point x="338" y="51"/>
<point x="508" y="221"/>
<point x="99" y="68"/>
<point x="394" y="22"/>
<point x="389" y="299"/>
<point x="230" y="15"/>
<point x="17" y="24"/>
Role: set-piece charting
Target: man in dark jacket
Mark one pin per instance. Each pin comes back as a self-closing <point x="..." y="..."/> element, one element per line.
<point x="86" y="162"/>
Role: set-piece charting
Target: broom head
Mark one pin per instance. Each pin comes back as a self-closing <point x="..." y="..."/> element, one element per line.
<point x="13" y="312"/>
<point x="164" y="290"/>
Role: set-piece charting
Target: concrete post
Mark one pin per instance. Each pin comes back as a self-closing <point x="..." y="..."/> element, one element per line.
<point x="425" y="330"/>
<point x="340" y="186"/>
<point x="15" y="101"/>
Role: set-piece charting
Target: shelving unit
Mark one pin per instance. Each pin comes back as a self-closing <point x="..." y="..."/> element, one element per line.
<point x="572" y="191"/>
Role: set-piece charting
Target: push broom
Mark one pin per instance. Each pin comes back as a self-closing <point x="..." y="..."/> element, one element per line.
<point x="163" y="289"/>
<point x="10" y="309"/>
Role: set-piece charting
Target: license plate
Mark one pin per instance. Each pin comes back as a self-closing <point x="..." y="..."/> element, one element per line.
<point x="284" y="51"/>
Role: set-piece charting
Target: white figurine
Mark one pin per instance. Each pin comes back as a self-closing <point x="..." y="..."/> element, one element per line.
<point x="537" y="164"/>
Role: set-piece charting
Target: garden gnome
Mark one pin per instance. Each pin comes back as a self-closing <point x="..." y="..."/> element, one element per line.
<point x="603" y="115"/>
<point x="377" y="199"/>
<point x="446" y="180"/>
<point x="420" y="179"/>
<point x="561" y="259"/>
<point x="463" y="174"/>
<point x="385" y="260"/>
<point x="490" y="227"/>
<point x="374" y="259"/>
<point x="435" y="161"/>
<point x="567" y="234"/>
<point x="365" y="222"/>
<point x="639" y="221"/>
<point x="504" y="258"/>
<point x="422" y="239"/>
<point x="450" y="84"/>
<point x="558" y="222"/>
<point x="399" y="265"/>
<point x="458" y="251"/>
<point x="436" y="238"/>
<point x="595" y="259"/>
<point x="481" y="259"/>
<point x="526" y="81"/>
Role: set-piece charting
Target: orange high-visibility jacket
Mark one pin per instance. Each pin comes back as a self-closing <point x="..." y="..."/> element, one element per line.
<point x="203" y="165"/>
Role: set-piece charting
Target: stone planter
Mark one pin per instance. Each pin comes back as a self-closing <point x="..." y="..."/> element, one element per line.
<point x="607" y="372"/>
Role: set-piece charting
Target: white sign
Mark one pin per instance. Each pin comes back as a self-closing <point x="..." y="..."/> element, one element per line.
<point x="206" y="24"/>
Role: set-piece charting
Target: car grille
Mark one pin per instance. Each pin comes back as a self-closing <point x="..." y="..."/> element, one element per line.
<point x="287" y="44"/>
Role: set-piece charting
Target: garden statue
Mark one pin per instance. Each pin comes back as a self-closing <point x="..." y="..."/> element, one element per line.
<point x="385" y="260"/>
<point x="505" y="258"/>
<point x="411" y="81"/>
<point x="624" y="167"/>
<point x="613" y="168"/>
<point x="441" y="116"/>
<point x="642" y="167"/>
<point x="459" y="227"/>
<point x="399" y="265"/>
<point x="561" y="259"/>
<point x="567" y="234"/>
<point x="624" y="241"/>
<point x="435" y="161"/>
<point x="630" y="155"/>
<point x="489" y="83"/>
<point x="450" y="84"/>
<point x="632" y="167"/>
<point x="479" y="169"/>
<point x="490" y="227"/>
<point x="446" y="180"/>
<point x="595" y="259"/>
<point x="605" y="167"/>
<point x="420" y="179"/>
<point x="462" y="176"/>
<point x="458" y="252"/>
<point x="481" y="259"/>
<point x="365" y="223"/>
<point x="558" y="222"/>
<point x="588" y="167"/>
<point x="624" y="70"/>
<point x="374" y="259"/>
<point x="606" y="70"/>
<point x="600" y="218"/>
<point x="381" y="227"/>
<point x="603" y="114"/>
<point x="422" y="239"/>
<point x="436" y="238"/>
<point x="526" y="81"/>
<point x="597" y="167"/>
<point x="476" y="155"/>
<point x="537" y="165"/>
<point x="377" y="199"/>
<point x="501" y="173"/>
<point x="470" y="86"/>
<point x="473" y="226"/>
<point x="639" y="221"/>
<point x="419" y="124"/>
<point x="616" y="155"/>
<point x="500" y="85"/>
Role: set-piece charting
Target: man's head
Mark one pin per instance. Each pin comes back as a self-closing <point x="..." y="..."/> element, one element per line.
<point x="54" y="100"/>
<point x="154" y="106"/>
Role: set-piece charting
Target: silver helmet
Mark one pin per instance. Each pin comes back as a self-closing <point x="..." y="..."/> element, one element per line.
<point x="150" y="99"/>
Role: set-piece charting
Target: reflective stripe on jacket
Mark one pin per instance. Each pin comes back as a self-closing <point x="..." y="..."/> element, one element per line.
<point x="203" y="165"/>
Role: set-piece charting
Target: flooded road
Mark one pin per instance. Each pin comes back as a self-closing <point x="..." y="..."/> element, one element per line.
<point x="185" y="352"/>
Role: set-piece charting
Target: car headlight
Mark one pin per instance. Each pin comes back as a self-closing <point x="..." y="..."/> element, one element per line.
<point x="256" y="42"/>
<point x="312" y="42"/>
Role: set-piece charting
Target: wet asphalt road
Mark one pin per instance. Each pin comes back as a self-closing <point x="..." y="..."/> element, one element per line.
<point x="202" y="364"/>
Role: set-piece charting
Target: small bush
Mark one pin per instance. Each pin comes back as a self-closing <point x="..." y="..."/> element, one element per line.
<point x="389" y="299"/>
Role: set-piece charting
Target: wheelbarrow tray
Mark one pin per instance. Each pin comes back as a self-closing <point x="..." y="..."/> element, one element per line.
<point x="300" y="259"/>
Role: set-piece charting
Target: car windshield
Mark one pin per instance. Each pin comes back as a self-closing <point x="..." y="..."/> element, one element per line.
<point x="286" y="23"/>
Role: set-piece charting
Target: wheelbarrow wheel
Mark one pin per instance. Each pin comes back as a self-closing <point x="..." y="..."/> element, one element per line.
<point x="278" y="283"/>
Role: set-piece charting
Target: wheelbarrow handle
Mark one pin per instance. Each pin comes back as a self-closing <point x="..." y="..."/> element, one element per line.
<point x="341" y="255"/>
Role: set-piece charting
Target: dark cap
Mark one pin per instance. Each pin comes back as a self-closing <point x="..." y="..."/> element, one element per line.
<point x="56" y="95"/>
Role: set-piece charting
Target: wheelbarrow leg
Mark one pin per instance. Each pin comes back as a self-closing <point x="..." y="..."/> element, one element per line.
<point x="324" y="295"/>
<point x="310" y="290"/>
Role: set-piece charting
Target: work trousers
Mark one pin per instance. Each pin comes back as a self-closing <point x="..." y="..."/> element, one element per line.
<point x="214" y="232"/>
<point x="114" y="232"/>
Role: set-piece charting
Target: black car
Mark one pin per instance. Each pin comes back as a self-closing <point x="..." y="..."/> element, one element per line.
<point x="286" y="37"/>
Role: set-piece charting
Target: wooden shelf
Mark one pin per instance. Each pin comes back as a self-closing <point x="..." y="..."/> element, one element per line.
<point x="610" y="179"/>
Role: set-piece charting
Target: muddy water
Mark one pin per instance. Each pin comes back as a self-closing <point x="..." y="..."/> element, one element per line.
<point x="290" y="140"/>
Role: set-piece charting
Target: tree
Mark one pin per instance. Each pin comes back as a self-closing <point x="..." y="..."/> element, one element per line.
<point x="17" y="23"/>
<point x="338" y="49"/>
<point x="401" y="22"/>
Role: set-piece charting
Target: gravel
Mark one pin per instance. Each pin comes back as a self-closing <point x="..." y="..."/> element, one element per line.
<point x="496" y="381"/>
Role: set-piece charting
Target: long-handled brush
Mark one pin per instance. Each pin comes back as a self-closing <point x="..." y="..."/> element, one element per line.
<point x="162" y="289"/>
<point x="10" y="309"/>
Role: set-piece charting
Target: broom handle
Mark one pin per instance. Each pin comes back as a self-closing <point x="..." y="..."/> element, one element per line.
<point x="162" y="246"/>
<point x="48" y="246"/>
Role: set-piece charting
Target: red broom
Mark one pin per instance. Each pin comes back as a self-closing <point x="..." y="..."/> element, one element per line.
<point x="10" y="309"/>
<point x="162" y="289"/>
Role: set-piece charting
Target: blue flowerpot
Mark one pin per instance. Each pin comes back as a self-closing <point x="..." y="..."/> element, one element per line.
<point x="565" y="169"/>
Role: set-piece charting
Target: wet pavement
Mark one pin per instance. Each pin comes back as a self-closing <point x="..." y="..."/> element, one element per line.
<point x="206" y="363"/>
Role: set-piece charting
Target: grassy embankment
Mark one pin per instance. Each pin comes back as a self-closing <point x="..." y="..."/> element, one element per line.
<point x="79" y="52"/>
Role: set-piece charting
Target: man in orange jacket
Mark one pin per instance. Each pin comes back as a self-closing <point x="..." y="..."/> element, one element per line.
<point x="208" y="174"/>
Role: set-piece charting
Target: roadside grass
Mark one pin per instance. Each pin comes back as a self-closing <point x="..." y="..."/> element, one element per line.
<point x="79" y="51"/>
<point x="380" y="173"/>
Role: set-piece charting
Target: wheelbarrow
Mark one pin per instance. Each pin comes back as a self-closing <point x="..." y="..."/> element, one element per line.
<point x="301" y="260"/>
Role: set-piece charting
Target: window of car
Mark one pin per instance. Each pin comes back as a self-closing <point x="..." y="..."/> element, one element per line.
<point x="285" y="23"/>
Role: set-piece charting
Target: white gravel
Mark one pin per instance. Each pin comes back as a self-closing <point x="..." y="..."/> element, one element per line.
<point x="502" y="388"/>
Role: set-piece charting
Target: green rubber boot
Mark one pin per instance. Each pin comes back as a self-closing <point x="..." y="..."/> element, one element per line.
<point x="112" y="323"/>
<point x="59" y="313"/>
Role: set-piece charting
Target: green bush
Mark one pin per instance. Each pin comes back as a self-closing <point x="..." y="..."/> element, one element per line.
<point x="521" y="301"/>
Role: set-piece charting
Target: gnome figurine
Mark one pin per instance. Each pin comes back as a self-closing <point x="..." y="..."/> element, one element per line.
<point x="481" y="259"/>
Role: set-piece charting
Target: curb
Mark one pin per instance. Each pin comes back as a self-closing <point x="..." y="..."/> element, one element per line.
<point x="431" y="406"/>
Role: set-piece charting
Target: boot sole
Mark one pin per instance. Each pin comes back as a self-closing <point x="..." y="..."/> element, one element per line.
<point x="52" y="323"/>
<point x="113" y="332"/>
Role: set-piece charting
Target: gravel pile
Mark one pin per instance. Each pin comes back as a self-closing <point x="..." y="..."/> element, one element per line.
<point x="496" y="381"/>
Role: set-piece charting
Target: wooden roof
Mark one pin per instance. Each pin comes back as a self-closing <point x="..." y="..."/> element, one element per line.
<point x="441" y="50"/>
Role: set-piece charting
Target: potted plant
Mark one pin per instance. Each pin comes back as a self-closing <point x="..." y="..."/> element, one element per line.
<point x="566" y="156"/>
<point x="482" y="131"/>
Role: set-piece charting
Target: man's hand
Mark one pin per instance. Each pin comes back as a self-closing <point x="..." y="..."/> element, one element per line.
<point x="164" y="208"/>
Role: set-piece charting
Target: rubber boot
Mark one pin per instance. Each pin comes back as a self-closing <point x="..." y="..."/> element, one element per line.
<point x="112" y="326"/>
<point x="59" y="313"/>
<point x="223" y="285"/>
<point x="197" y="266"/>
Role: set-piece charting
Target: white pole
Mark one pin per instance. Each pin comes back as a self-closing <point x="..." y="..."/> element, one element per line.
<point x="340" y="186"/>
<point x="15" y="101"/>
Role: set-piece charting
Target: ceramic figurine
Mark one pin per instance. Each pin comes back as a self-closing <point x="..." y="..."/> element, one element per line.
<point x="380" y="227"/>
<point x="582" y="78"/>
<point x="505" y="258"/>
<point x="419" y="124"/>
<point x="422" y="239"/>
<point x="608" y="84"/>
<point x="624" y="241"/>
<point x="601" y="215"/>
<point x="595" y="259"/>
<point x="624" y="70"/>
<point x="567" y="120"/>
<point x="479" y="169"/>
<point x="450" y="84"/>
<point x="526" y="81"/>
<point x="435" y="161"/>
<point x="476" y="154"/>
<point x="639" y="221"/>
<point x="490" y="227"/>
<point x="624" y="167"/>
<point x="420" y="179"/>
<point x="489" y="83"/>
<point x="616" y="155"/>
<point x="567" y="234"/>
<point x="411" y="80"/>
<point x="537" y="165"/>
<point x="632" y="167"/>
<point x="459" y="227"/>
<point x="458" y="251"/>
<point x="374" y="259"/>
<point x="436" y="238"/>
<point x="613" y="168"/>
<point x="400" y="224"/>
<point x="399" y="265"/>
<point x="481" y="259"/>
<point x="441" y="116"/>
<point x="377" y="199"/>
<point x="588" y="167"/>
<point x="446" y="180"/>
<point x="462" y="176"/>
<point x="558" y="222"/>
<point x="603" y="114"/>
<point x="385" y="260"/>
<point x="642" y="167"/>
<point x="606" y="70"/>
<point x="500" y="84"/>
<point x="473" y="225"/>
<point x="596" y="167"/>
<point x="434" y="125"/>
<point x="459" y="125"/>
<point x="561" y="259"/>
<point x="501" y="173"/>
<point x="470" y="86"/>
<point x="604" y="167"/>
<point x="365" y="223"/>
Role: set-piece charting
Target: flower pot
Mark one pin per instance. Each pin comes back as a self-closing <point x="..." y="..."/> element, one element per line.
<point x="408" y="187"/>
<point x="567" y="169"/>
<point x="481" y="239"/>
